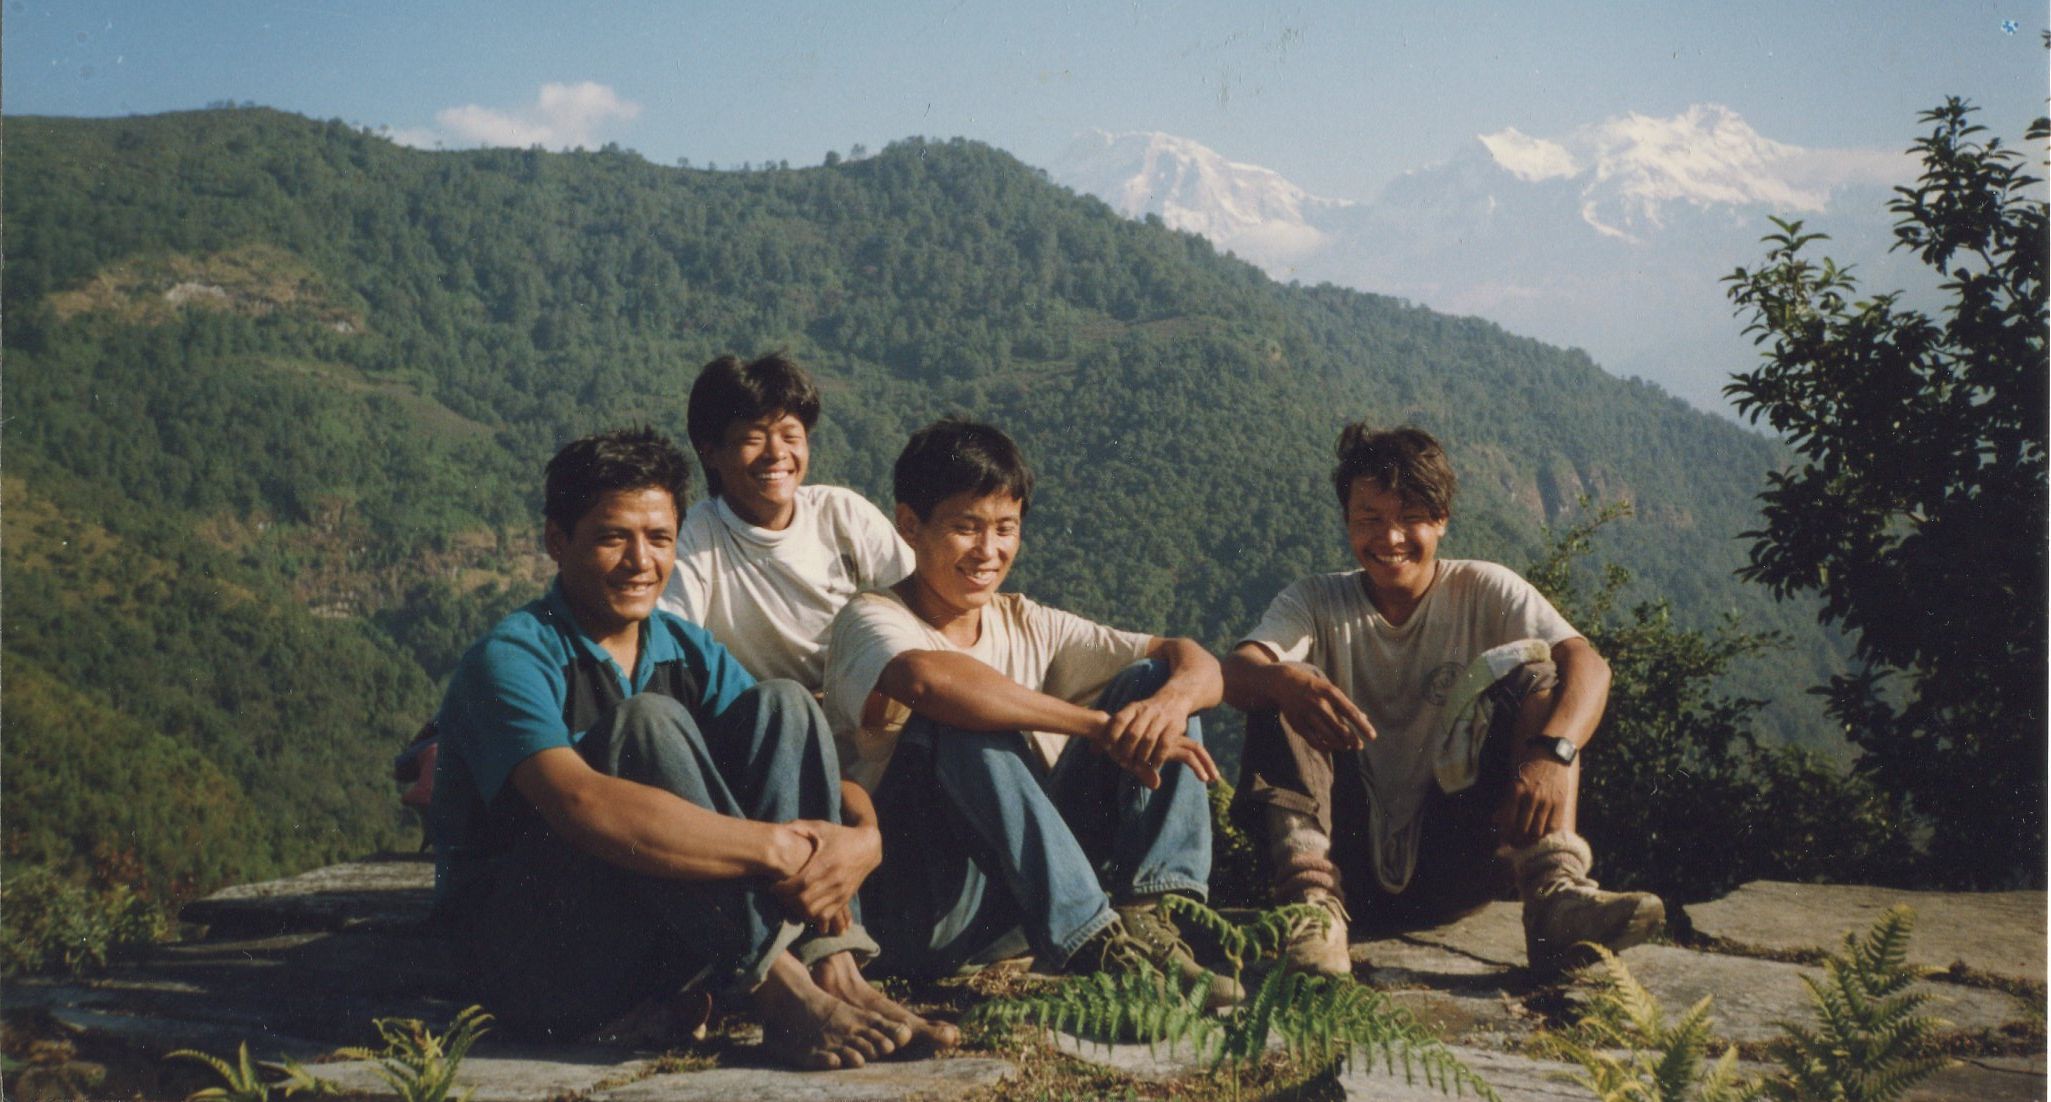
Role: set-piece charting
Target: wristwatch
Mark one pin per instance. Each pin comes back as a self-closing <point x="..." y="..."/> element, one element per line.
<point x="1555" y="749"/>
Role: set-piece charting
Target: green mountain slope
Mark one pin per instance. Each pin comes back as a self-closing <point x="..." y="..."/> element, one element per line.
<point x="328" y="369"/>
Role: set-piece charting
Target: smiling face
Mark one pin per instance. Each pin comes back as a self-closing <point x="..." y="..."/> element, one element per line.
<point x="1395" y="541"/>
<point x="965" y="550"/>
<point x="614" y="564"/>
<point x="761" y="464"/>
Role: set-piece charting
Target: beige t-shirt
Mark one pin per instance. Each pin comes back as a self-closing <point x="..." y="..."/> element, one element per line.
<point x="769" y="596"/>
<point x="1401" y="676"/>
<point x="1044" y="649"/>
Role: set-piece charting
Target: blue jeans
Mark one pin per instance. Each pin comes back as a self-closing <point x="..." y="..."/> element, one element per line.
<point x="563" y="942"/>
<point x="982" y="841"/>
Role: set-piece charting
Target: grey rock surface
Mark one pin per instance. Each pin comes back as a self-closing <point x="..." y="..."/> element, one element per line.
<point x="888" y="1081"/>
<point x="536" y="1075"/>
<point x="1752" y="996"/>
<point x="1515" y="1078"/>
<point x="390" y="891"/>
<point x="1999" y="933"/>
<point x="299" y="967"/>
<point x="1494" y="936"/>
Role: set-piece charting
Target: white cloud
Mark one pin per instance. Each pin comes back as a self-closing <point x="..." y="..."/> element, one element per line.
<point x="419" y="137"/>
<point x="563" y="116"/>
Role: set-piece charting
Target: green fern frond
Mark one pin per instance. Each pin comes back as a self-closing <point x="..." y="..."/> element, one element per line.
<point x="1871" y="1040"/>
<point x="1143" y="1007"/>
<point x="1660" y="1061"/>
<point x="1262" y="938"/>
<point x="1317" y="1019"/>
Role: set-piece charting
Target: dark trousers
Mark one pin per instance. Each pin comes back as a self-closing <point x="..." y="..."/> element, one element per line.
<point x="981" y="841"/>
<point x="1458" y="868"/>
<point x="562" y="942"/>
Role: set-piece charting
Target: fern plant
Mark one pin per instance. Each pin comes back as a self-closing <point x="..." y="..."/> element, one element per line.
<point x="1871" y="1041"/>
<point x="420" y="1066"/>
<point x="1316" y="1019"/>
<point x="1629" y="1052"/>
<point x="243" y="1080"/>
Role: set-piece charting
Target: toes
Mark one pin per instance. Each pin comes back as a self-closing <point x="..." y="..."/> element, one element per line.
<point x="881" y="1039"/>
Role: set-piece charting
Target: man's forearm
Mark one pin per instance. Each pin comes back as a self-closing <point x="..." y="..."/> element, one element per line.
<point x="1249" y="676"/>
<point x="1194" y="681"/>
<point x="1583" y="692"/>
<point x="959" y="691"/>
<point x="646" y="830"/>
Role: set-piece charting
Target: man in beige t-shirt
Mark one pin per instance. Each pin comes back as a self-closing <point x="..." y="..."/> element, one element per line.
<point x="1410" y="720"/>
<point x="1034" y="773"/>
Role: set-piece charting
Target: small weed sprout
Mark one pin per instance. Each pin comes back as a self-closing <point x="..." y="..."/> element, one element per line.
<point x="243" y="1081"/>
<point x="420" y="1066"/>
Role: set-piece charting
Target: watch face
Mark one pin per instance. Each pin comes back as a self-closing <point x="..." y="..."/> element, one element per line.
<point x="1558" y="749"/>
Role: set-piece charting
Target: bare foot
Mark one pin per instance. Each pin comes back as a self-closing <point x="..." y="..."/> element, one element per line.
<point x="838" y="976"/>
<point x="805" y="1027"/>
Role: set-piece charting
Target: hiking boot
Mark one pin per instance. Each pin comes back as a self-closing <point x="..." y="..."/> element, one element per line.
<point x="1563" y="907"/>
<point x="1152" y="938"/>
<point x="1320" y="947"/>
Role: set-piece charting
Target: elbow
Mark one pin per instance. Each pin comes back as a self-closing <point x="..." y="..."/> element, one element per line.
<point x="912" y="679"/>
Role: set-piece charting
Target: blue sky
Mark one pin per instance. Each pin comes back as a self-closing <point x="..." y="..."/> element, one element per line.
<point x="1336" y="96"/>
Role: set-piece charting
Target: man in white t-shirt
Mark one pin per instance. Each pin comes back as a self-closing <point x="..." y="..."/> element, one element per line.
<point x="766" y="561"/>
<point x="1015" y="752"/>
<point x="1411" y="721"/>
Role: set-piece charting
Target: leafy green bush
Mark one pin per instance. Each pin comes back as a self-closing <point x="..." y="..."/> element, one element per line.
<point x="50" y="924"/>
<point x="1921" y="437"/>
<point x="1678" y="795"/>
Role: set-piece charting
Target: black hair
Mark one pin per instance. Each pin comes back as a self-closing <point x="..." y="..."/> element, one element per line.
<point x="1406" y="462"/>
<point x="955" y="456"/>
<point x="729" y="391"/>
<point x="623" y="459"/>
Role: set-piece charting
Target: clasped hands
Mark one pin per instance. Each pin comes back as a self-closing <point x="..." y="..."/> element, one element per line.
<point x="822" y="884"/>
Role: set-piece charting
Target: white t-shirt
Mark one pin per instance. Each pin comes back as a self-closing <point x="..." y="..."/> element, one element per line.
<point x="769" y="596"/>
<point x="1044" y="649"/>
<point x="1401" y="675"/>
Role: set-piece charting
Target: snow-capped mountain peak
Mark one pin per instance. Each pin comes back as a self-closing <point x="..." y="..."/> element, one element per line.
<point x="1633" y="168"/>
<point x="1193" y="188"/>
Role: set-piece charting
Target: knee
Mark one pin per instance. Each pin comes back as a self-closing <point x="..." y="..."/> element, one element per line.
<point x="649" y="719"/>
<point x="783" y="695"/>
<point x="1138" y="681"/>
<point x="969" y="762"/>
<point x="652" y="710"/>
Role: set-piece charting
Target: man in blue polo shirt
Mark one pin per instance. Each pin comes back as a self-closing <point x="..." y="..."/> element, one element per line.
<point x="624" y="812"/>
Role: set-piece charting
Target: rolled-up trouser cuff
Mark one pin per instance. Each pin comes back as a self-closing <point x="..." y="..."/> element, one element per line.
<point x="817" y="947"/>
<point x="1084" y="933"/>
<point x="1165" y="884"/>
<point x="748" y="979"/>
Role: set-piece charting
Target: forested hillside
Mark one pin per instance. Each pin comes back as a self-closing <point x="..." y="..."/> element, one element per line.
<point x="278" y="393"/>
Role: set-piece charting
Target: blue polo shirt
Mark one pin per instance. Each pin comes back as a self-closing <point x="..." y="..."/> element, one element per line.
<point x="536" y="682"/>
